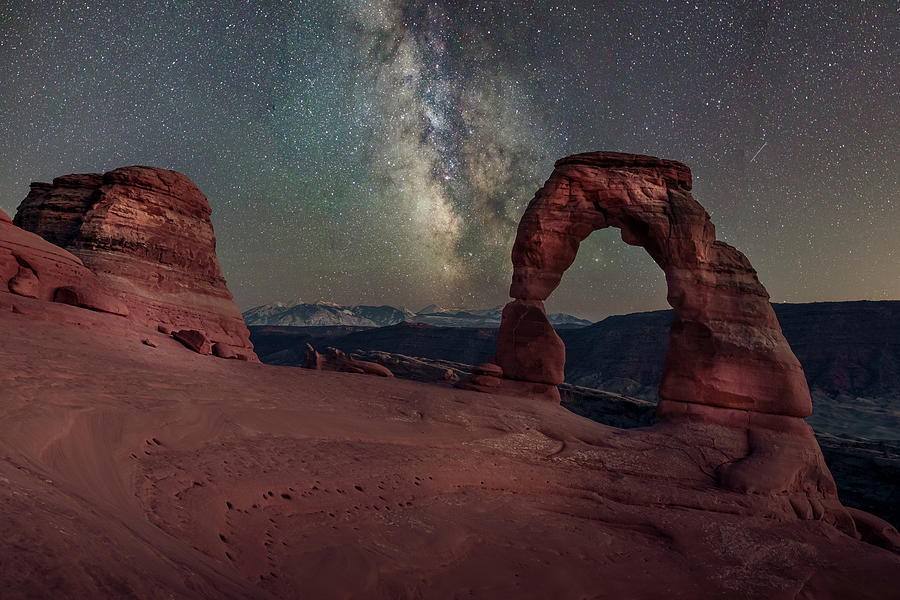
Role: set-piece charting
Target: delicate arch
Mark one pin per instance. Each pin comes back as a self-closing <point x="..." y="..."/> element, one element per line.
<point x="726" y="348"/>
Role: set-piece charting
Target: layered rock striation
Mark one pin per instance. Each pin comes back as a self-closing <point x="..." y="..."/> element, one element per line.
<point x="146" y="234"/>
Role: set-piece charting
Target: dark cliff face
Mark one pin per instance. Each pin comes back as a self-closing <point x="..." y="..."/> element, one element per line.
<point x="845" y="347"/>
<point x="284" y="345"/>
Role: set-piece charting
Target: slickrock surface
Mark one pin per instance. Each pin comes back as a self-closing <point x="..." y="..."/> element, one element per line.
<point x="145" y="232"/>
<point x="175" y="475"/>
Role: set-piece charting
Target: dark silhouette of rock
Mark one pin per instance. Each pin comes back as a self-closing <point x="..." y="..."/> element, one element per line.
<point x="145" y="232"/>
<point x="286" y="345"/>
<point x="415" y="368"/>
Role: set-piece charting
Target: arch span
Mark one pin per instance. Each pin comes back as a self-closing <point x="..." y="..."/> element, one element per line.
<point x="726" y="348"/>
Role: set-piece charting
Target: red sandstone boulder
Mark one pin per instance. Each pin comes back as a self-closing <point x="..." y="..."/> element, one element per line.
<point x="25" y="283"/>
<point x="223" y="350"/>
<point x="146" y="234"/>
<point x="875" y="530"/>
<point x="193" y="339"/>
<point x="4" y="218"/>
<point x="91" y="298"/>
<point x="489" y="369"/>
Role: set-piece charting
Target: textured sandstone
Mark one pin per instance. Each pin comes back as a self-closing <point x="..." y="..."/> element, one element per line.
<point x="529" y="349"/>
<point x="223" y="350"/>
<point x="145" y="232"/>
<point x="489" y="369"/>
<point x="220" y="481"/>
<point x="875" y="530"/>
<point x="193" y="339"/>
<point x="91" y="298"/>
<point x="25" y="283"/>
<point x="32" y="267"/>
<point x="726" y="348"/>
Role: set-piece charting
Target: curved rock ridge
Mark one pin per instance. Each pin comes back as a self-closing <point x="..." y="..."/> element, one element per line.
<point x="146" y="233"/>
<point x="726" y="348"/>
<point x="32" y="267"/>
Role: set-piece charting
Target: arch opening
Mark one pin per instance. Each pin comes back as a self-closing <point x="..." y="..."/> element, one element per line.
<point x="609" y="277"/>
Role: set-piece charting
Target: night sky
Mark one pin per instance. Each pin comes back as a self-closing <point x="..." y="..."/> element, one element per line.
<point x="383" y="151"/>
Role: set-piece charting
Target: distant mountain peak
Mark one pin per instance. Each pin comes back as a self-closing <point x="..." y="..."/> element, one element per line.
<point x="324" y="313"/>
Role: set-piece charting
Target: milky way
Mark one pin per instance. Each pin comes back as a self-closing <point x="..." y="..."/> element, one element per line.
<point x="383" y="151"/>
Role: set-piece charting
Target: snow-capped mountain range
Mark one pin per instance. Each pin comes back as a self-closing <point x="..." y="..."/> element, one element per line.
<point x="300" y="314"/>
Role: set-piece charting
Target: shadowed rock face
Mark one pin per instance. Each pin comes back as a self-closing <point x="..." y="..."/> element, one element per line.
<point x="145" y="232"/>
<point x="726" y="348"/>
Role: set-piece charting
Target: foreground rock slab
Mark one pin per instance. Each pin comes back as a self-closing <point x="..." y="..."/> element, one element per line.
<point x="178" y="476"/>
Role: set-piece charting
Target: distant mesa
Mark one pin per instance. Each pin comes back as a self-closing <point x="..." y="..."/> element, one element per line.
<point x="321" y="314"/>
<point x="145" y="235"/>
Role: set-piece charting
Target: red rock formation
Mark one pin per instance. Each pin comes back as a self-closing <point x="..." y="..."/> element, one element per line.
<point x="726" y="348"/>
<point x="727" y="363"/>
<point x="145" y="232"/>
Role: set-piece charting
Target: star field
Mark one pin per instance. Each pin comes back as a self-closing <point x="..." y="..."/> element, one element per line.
<point x="383" y="151"/>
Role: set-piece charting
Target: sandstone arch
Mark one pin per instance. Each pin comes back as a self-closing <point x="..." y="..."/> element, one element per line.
<point x="726" y="349"/>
